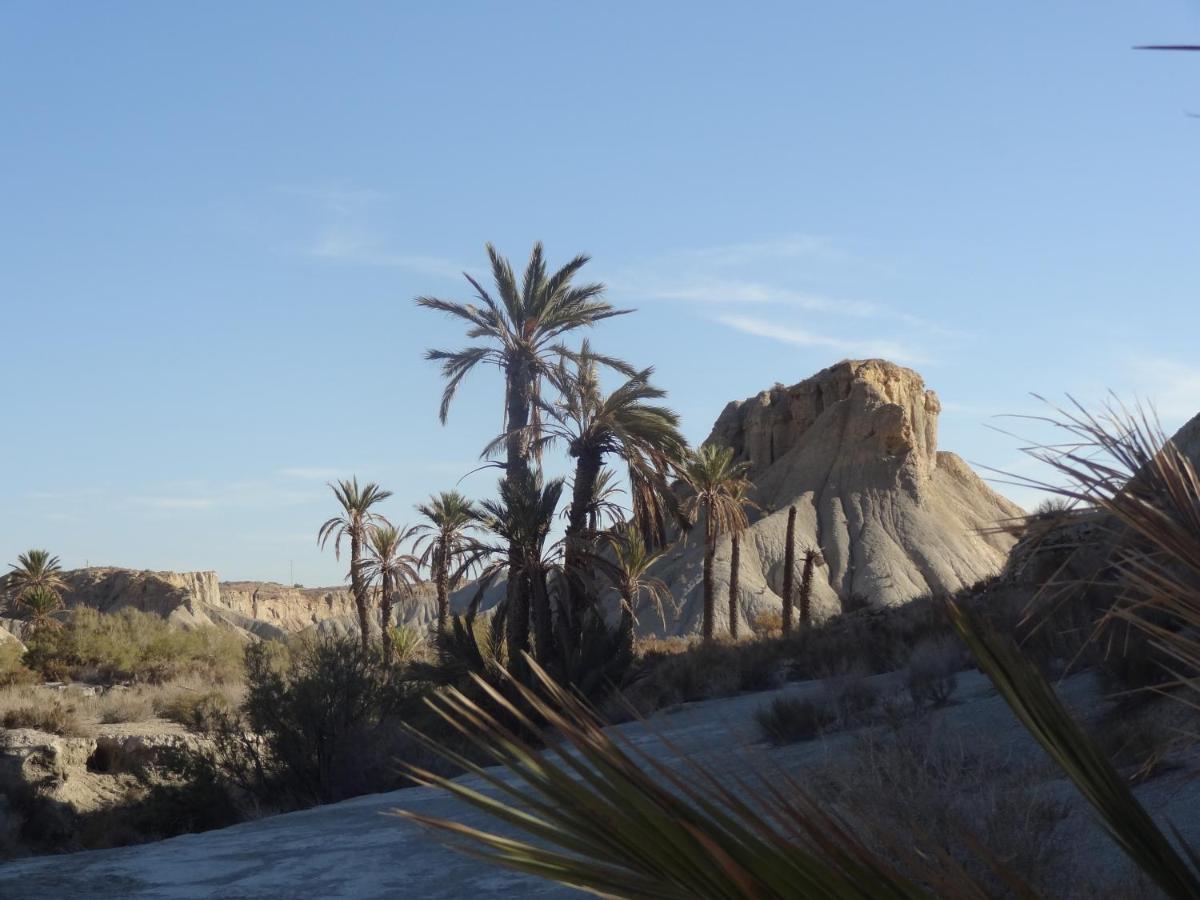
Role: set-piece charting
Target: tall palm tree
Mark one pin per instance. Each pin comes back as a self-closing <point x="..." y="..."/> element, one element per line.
<point x="523" y="517"/>
<point x="387" y="563"/>
<point x="716" y="482"/>
<point x="446" y="546"/>
<point x="520" y="331"/>
<point x="39" y="604"/>
<point x="737" y="492"/>
<point x="789" y="572"/>
<point x="355" y="523"/>
<point x="812" y="557"/>
<point x="625" y="424"/>
<point x="35" y="569"/>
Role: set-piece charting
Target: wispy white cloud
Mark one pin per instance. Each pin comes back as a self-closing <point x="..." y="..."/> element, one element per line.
<point x="733" y="291"/>
<point x="356" y="246"/>
<point x="802" y="337"/>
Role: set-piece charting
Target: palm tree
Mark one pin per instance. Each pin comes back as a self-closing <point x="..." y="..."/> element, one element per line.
<point x="520" y="332"/>
<point x="737" y="492"/>
<point x="35" y="569"/>
<point x="717" y="482"/>
<point x="789" y="572"/>
<point x="446" y="546"/>
<point x="523" y="517"/>
<point x="39" y="604"/>
<point x="629" y="572"/>
<point x="394" y="569"/>
<point x="812" y="557"/>
<point x="644" y="435"/>
<point x="354" y="523"/>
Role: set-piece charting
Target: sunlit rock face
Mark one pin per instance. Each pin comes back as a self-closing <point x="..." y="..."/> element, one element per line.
<point x="854" y="449"/>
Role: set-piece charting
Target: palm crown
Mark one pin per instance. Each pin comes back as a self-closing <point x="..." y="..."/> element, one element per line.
<point x="35" y="569"/>
<point x="356" y="514"/>
<point x="520" y="328"/>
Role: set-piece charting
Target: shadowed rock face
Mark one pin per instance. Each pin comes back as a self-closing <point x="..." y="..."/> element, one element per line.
<point x="854" y="448"/>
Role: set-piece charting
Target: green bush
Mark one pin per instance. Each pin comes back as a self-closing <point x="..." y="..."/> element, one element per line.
<point x="320" y="723"/>
<point x="12" y="668"/>
<point x="132" y="646"/>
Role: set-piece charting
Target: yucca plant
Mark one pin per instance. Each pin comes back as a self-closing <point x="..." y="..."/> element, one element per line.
<point x="598" y="814"/>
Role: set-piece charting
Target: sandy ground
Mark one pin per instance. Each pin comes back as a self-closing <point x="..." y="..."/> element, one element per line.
<point x="355" y="850"/>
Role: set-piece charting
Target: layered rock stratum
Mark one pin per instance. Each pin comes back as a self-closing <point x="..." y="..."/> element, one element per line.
<point x="854" y="449"/>
<point x="195" y="599"/>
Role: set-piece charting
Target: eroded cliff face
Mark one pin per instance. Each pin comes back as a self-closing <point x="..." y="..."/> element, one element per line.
<point x="854" y="449"/>
<point x="255" y="608"/>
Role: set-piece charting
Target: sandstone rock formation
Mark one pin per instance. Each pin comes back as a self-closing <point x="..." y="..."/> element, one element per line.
<point x="253" y="608"/>
<point x="854" y="449"/>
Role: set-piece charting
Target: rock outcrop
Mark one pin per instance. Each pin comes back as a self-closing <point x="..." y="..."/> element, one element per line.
<point x="854" y="449"/>
<point x="196" y="599"/>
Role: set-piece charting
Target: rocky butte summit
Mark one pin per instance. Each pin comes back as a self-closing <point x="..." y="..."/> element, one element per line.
<point x="854" y="449"/>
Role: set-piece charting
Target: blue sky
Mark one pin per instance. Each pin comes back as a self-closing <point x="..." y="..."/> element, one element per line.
<point x="213" y="219"/>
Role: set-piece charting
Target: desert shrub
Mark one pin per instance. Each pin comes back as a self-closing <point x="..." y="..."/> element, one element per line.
<point x="951" y="795"/>
<point x="197" y="710"/>
<point x="851" y="694"/>
<point x="12" y="667"/>
<point x="54" y="717"/>
<point x="323" y="725"/>
<point x="768" y="623"/>
<point x="786" y="720"/>
<point x="931" y="676"/>
<point x="131" y="645"/>
<point x="118" y="706"/>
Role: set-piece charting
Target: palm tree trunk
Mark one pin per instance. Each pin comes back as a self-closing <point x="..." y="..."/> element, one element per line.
<point x="518" y="399"/>
<point x="441" y="576"/>
<point x="735" y="561"/>
<point x="587" y="470"/>
<point x="810" y="557"/>
<point x="710" y="551"/>
<point x="626" y="627"/>
<point x="359" y="590"/>
<point x="543" y="634"/>
<point x="789" y="567"/>
<point x="385" y="618"/>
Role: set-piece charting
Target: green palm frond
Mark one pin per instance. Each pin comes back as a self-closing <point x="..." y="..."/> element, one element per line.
<point x="34" y="569"/>
<point x="356" y="502"/>
<point x="38" y="604"/>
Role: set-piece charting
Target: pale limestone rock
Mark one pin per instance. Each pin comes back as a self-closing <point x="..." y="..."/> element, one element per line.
<point x="854" y="448"/>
